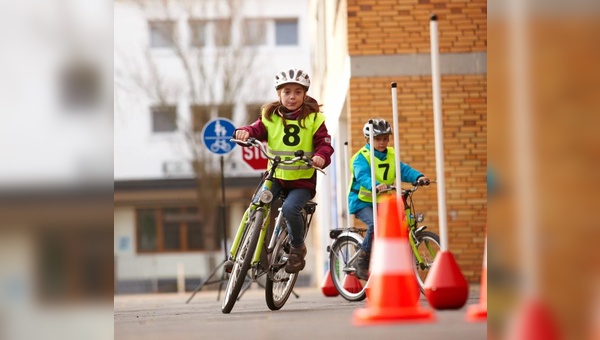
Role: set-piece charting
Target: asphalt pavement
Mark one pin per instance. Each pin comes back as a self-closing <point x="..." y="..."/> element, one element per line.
<point x="310" y="316"/>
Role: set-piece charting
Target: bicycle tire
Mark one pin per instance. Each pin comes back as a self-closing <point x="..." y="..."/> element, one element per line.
<point x="342" y="254"/>
<point x="278" y="291"/>
<point x="243" y="261"/>
<point x="428" y="245"/>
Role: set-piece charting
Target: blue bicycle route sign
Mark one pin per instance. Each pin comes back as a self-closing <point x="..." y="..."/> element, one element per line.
<point x="216" y="134"/>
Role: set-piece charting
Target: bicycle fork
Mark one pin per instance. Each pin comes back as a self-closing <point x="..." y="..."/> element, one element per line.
<point x="414" y="244"/>
<point x="242" y="229"/>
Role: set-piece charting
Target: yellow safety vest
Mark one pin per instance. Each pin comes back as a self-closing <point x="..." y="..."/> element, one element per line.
<point x="284" y="141"/>
<point x="385" y="172"/>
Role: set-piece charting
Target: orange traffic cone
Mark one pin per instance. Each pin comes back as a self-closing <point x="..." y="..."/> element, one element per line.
<point x="533" y="321"/>
<point x="479" y="312"/>
<point x="393" y="296"/>
<point x="327" y="286"/>
<point x="352" y="284"/>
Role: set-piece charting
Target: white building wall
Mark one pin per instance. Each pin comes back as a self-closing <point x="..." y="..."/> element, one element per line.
<point x="140" y="154"/>
<point x="331" y="63"/>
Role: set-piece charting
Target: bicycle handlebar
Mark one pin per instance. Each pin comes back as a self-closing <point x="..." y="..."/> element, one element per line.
<point x="299" y="154"/>
<point x="415" y="185"/>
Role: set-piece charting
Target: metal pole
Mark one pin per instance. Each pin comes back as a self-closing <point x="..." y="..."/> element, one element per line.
<point x="347" y="176"/>
<point x="522" y="147"/>
<point x="398" y="180"/>
<point x="439" y="136"/>
<point x="373" y="192"/>
<point x="223" y="213"/>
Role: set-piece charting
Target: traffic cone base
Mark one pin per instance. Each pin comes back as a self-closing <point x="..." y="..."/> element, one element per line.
<point x="533" y="321"/>
<point x="352" y="284"/>
<point x="445" y="286"/>
<point x="477" y="312"/>
<point x="375" y="315"/>
<point x="327" y="286"/>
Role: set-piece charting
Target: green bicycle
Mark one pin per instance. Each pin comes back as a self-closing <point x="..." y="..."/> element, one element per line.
<point x="343" y="252"/>
<point x="260" y="250"/>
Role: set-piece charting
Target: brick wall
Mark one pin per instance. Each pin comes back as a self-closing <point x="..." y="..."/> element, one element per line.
<point x="465" y="142"/>
<point x="402" y="26"/>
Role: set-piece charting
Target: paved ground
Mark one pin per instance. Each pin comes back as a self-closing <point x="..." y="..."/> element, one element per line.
<point x="311" y="316"/>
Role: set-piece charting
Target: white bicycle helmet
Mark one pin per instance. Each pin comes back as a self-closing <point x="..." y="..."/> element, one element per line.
<point x="292" y="76"/>
<point x="380" y="127"/>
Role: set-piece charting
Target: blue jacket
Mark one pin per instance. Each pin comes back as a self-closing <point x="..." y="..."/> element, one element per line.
<point x="361" y="174"/>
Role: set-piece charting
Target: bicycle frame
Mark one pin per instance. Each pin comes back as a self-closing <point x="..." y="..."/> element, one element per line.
<point x="257" y="203"/>
<point x="412" y="223"/>
<point x="262" y="199"/>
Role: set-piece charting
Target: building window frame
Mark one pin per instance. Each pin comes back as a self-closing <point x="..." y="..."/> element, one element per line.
<point x="187" y="220"/>
<point x="163" y="118"/>
<point x="281" y="40"/>
<point x="161" y="34"/>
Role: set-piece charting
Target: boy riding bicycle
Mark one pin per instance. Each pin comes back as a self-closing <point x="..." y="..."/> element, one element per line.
<point x="360" y="200"/>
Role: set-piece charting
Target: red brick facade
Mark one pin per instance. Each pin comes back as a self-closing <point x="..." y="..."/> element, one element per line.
<point x="402" y="27"/>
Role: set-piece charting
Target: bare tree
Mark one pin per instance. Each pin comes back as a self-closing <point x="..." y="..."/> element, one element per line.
<point x="215" y="62"/>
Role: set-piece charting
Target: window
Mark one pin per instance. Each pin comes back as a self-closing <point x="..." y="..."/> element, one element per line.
<point x="164" y="118"/>
<point x="146" y="230"/>
<point x="255" y="32"/>
<point x="252" y="32"/>
<point x="162" y="34"/>
<point x="172" y="229"/>
<point x="222" y="32"/>
<point x="252" y="113"/>
<point x="198" y="30"/>
<point x="225" y="111"/>
<point x="72" y="263"/>
<point x="81" y="86"/>
<point x="201" y="114"/>
<point x="286" y="32"/>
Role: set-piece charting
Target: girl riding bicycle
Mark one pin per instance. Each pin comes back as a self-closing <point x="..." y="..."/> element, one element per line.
<point x="292" y="123"/>
<point x="360" y="200"/>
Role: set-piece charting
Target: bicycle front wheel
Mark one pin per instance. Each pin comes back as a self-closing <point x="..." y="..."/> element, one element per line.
<point x="279" y="283"/>
<point x="428" y="245"/>
<point x="343" y="256"/>
<point x="243" y="260"/>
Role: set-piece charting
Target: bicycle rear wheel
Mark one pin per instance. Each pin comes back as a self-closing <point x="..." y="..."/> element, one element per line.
<point x="428" y="245"/>
<point x="342" y="266"/>
<point x="279" y="286"/>
<point x="243" y="260"/>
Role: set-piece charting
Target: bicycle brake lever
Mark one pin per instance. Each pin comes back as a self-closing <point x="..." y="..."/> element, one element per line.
<point x="320" y="170"/>
<point x="246" y="143"/>
<point x="309" y="162"/>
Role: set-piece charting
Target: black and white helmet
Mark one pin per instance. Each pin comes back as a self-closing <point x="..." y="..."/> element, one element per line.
<point x="292" y="76"/>
<point x="380" y="127"/>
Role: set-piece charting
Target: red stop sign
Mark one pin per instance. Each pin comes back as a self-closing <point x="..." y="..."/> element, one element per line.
<point x="253" y="157"/>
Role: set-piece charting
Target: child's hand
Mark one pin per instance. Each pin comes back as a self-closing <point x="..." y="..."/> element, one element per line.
<point x="381" y="187"/>
<point x="423" y="181"/>
<point x="242" y="135"/>
<point x="318" y="161"/>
